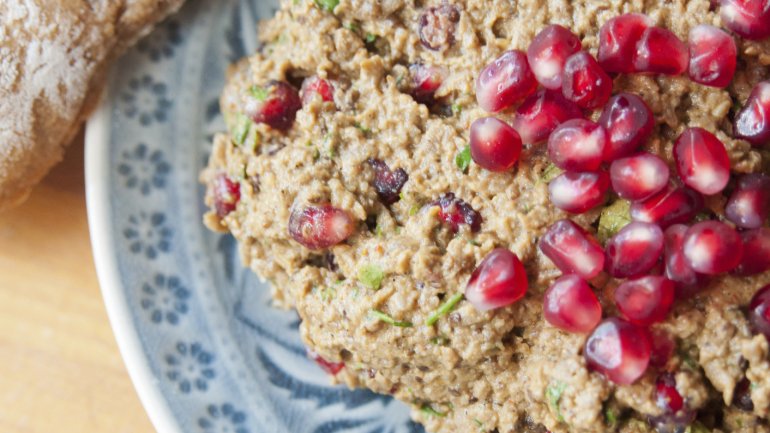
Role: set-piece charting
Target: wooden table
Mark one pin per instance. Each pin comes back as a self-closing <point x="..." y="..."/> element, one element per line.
<point x="60" y="369"/>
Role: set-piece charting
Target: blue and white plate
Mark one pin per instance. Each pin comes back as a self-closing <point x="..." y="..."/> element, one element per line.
<point x="205" y="350"/>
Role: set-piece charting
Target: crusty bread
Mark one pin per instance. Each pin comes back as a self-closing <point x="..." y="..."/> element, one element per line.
<point x="54" y="55"/>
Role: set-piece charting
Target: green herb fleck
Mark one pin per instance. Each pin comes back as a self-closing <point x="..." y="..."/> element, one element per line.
<point x="439" y="341"/>
<point x="241" y="129"/>
<point x="296" y="2"/>
<point x="613" y="218"/>
<point x="382" y="317"/>
<point x="327" y="5"/>
<point x="609" y="416"/>
<point x="753" y="385"/>
<point x="414" y="209"/>
<point x="474" y="242"/>
<point x="697" y="427"/>
<point x="328" y="293"/>
<point x="399" y="79"/>
<point x="316" y="154"/>
<point x="702" y="216"/>
<point x="362" y="128"/>
<point x="463" y="159"/>
<point x="353" y="27"/>
<point x="554" y="392"/>
<point x="370" y="38"/>
<point x="444" y="309"/>
<point x="478" y="423"/>
<point x="378" y="231"/>
<point x="457" y="108"/>
<point x="428" y="410"/>
<point x="258" y="92"/>
<point x="371" y="276"/>
<point x="550" y="173"/>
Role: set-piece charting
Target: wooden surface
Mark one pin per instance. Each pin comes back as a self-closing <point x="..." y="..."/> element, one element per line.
<point x="60" y="369"/>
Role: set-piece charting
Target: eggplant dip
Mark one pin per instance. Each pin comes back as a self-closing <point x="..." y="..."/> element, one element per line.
<point x="515" y="216"/>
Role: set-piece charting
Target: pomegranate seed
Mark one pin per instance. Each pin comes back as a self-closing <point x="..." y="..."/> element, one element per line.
<point x="584" y="82"/>
<point x="315" y="85"/>
<point x="660" y="51"/>
<point x="702" y="161"/>
<point x="498" y="281"/>
<point x="505" y="81"/>
<point x="577" y="145"/>
<point x="748" y="18"/>
<point x="319" y="227"/>
<point x="541" y="113"/>
<point x="387" y="182"/>
<point x="752" y="123"/>
<point x="759" y="311"/>
<point x="572" y="249"/>
<point x="712" y="247"/>
<point x="670" y="206"/>
<point x="663" y="347"/>
<point x="629" y="122"/>
<point x="455" y="212"/>
<point x="634" y="250"/>
<point x="639" y="177"/>
<point x="579" y="192"/>
<point x="227" y="194"/>
<point x="617" y="41"/>
<point x="678" y="269"/>
<point x="713" y="56"/>
<point x="437" y="26"/>
<point x="619" y="350"/>
<point x="666" y="395"/>
<point x="494" y="145"/>
<point x="275" y="104"/>
<point x="330" y="367"/>
<point x="749" y="204"/>
<point x="549" y="51"/>
<point x="571" y="305"/>
<point x="756" y="252"/>
<point x="742" y="396"/>
<point x="646" y="300"/>
<point x="425" y="81"/>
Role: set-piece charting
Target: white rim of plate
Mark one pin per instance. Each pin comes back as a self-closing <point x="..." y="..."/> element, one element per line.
<point x="97" y="147"/>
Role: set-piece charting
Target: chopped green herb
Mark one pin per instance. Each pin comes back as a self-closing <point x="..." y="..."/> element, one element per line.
<point x="353" y="27"/>
<point x="370" y="38"/>
<point x="260" y="93"/>
<point x="550" y="173"/>
<point x="474" y="242"/>
<point x="296" y="2"/>
<point x="439" y="341"/>
<point x="478" y="423"/>
<point x="554" y="392"/>
<point x="463" y="159"/>
<point x="702" y="216"/>
<point x="609" y="416"/>
<point x="697" y="427"/>
<point x="241" y="129"/>
<point x="328" y="293"/>
<point x="316" y="154"/>
<point x="399" y="79"/>
<point x="327" y="5"/>
<point x="389" y="320"/>
<point x="414" y="209"/>
<point x="361" y="128"/>
<point x="378" y="231"/>
<point x="613" y="218"/>
<point x="457" y="108"/>
<point x="444" y="309"/>
<point x="753" y="385"/>
<point x="428" y="410"/>
<point x="371" y="276"/>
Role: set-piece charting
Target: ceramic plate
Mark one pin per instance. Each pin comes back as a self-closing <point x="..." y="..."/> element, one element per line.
<point x="205" y="350"/>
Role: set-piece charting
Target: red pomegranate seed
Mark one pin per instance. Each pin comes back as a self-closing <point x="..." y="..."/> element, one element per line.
<point x="548" y="52"/>
<point x="756" y="252"/>
<point x="670" y="206"/>
<point x="315" y="85"/>
<point x="678" y="269"/>
<point x="752" y="123"/>
<point x="619" y="350"/>
<point x="759" y="311"/>
<point x="617" y="41"/>
<point x="572" y="249"/>
<point x="571" y="305"/>
<point x="660" y="51"/>
<point x="437" y="26"/>
<point x="629" y="123"/>
<point x="634" y="250"/>
<point x="666" y="395"/>
<point x="541" y="113"/>
<point x="663" y="347"/>
<point x="494" y="145"/>
<point x="498" y="281"/>
<point x="579" y="192"/>
<point x="319" y="227"/>
<point x="505" y="81"/>
<point x="748" y="18"/>
<point x="646" y="300"/>
<point x="749" y="204"/>
<point x="713" y="56"/>
<point x="584" y="82"/>
<point x="387" y="182"/>
<point x="227" y="194"/>
<point x="276" y="104"/>
<point x="455" y="212"/>
<point x="425" y="81"/>
<point x="702" y="161"/>
<point x="332" y="368"/>
<point x="712" y="247"/>
<point x="577" y="145"/>
<point x="639" y="177"/>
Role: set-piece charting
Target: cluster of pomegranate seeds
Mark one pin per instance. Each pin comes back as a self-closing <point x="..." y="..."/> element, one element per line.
<point x="579" y="192"/>
<point x="425" y="81"/>
<point x="315" y="86"/>
<point x="749" y="204"/>
<point x="332" y="368"/>
<point x="437" y="26"/>
<point x="276" y="104"/>
<point x="494" y="144"/>
<point x="645" y="300"/>
<point x="713" y="56"/>
<point x="634" y="250"/>
<point x="617" y="42"/>
<point x="584" y="82"/>
<point x="227" y="194"/>
<point x="748" y="18"/>
<point x="571" y="305"/>
<point x="756" y="252"/>
<point x="619" y="350"/>
<point x="572" y="249"/>
<point x="387" y="182"/>
<point x="712" y="247"/>
<point x="752" y="123"/>
<point x="455" y="212"/>
<point x="702" y="161"/>
<point x="498" y="281"/>
<point x="505" y="82"/>
<point x="541" y="113"/>
<point x="577" y="145"/>
<point x="639" y="177"/>
<point x="319" y="227"/>
<point x="548" y="53"/>
<point x="759" y="311"/>
<point x="670" y="206"/>
<point x="629" y="123"/>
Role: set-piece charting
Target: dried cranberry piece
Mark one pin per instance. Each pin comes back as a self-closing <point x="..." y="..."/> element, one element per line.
<point x="425" y="82"/>
<point x="455" y="212"/>
<point x="387" y="182"/>
<point x="227" y="194"/>
<point x="437" y="26"/>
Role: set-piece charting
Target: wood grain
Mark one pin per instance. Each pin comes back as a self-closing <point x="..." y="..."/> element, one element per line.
<point x="60" y="369"/>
